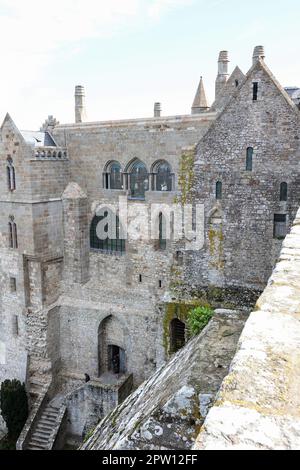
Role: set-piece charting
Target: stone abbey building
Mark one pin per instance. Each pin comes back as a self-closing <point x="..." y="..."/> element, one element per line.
<point x="72" y="303"/>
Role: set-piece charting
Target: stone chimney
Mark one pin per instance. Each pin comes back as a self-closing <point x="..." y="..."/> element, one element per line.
<point x="157" y="109"/>
<point x="80" y="111"/>
<point x="223" y="74"/>
<point x="258" y="53"/>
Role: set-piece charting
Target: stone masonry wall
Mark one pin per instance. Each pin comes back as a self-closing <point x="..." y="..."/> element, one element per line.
<point x="258" y="406"/>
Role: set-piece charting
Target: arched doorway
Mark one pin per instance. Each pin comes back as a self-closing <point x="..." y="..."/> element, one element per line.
<point x="116" y="359"/>
<point x="111" y="347"/>
<point x="177" y="335"/>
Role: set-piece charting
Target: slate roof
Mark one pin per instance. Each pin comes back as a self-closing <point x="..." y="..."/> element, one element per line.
<point x="38" y="139"/>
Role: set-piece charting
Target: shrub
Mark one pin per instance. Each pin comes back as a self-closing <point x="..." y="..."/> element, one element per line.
<point x="198" y="319"/>
<point x="14" y="406"/>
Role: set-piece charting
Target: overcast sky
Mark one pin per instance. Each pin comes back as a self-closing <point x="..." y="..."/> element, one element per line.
<point x="130" y="53"/>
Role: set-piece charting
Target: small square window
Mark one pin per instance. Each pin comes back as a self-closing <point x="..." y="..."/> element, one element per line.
<point x="13" y="284"/>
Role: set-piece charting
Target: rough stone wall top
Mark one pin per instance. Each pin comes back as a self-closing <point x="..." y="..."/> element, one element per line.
<point x="167" y="410"/>
<point x="258" y="406"/>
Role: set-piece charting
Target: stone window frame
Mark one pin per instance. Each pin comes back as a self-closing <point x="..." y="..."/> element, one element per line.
<point x="219" y="190"/>
<point x="154" y="172"/>
<point x="13" y="284"/>
<point x="11" y="175"/>
<point x="128" y="175"/>
<point x="107" y="176"/>
<point x="12" y="233"/>
<point x="115" y="246"/>
<point x="283" y="195"/>
<point x="249" y="158"/>
<point x="258" y="91"/>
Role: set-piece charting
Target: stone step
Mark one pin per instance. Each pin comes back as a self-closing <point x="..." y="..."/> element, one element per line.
<point x="39" y="436"/>
<point x="36" y="443"/>
<point x="32" y="447"/>
<point x="49" y="417"/>
<point x="43" y="429"/>
<point x="48" y="421"/>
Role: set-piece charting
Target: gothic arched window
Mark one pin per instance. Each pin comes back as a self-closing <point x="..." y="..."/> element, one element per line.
<point x="106" y="233"/>
<point x="219" y="190"/>
<point x="249" y="159"/>
<point x="163" y="177"/>
<point x="139" y="180"/>
<point x="11" y="175"/>
<point x="113" y="177"/>
<point x="283" y="191"/>
<point x="12" y="234"/>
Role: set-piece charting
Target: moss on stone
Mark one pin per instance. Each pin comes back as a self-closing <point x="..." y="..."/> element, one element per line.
<point x="186" y="175"/>
<point x="179" y="310"/>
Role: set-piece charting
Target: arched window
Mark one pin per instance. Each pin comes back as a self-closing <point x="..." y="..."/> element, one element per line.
<point x="113" y="177"/>
<point x="11" y="175"/>
<point x="139" y="180"/>
<point x="177" y="335"/>
<point x="219" y="190"/>
<point x="163" y="177"/>
<point x="12" y="234"/>
<point x="162" y="232"/>
<point x="249" y="159"/>
<point x="106" y="233"/>
<point x="283" y="191"/>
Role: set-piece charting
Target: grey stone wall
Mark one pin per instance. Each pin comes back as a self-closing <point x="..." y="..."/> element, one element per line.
<point x="239" y="246"/>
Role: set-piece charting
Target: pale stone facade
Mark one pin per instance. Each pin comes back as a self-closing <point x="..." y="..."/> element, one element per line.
<point x="65" y="306"/>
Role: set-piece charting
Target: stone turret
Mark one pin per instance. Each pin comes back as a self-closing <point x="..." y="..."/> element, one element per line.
<point x="200" y="102"/>
<point x="223" y="74"/>
<point x="80" y="110"/>
<point x="76" y="234"/>
<point x="258" y="53"/>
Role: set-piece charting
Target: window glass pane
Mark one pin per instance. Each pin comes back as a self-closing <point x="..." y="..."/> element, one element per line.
<point x="283" y="192"/>
<point x="249" y="159"/>
<point x="219" y="190"/>
<point x="139" y="180"/>
<point x="164" y="177"/>
<point x="115" y="176"/>
<point x="107" y="244"/>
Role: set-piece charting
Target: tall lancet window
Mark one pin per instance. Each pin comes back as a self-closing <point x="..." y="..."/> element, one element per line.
<point x="11" y="175"/>
<point x="283" y="191"/>
<point x="12" y="233"/>
<point x="249" y="159"/>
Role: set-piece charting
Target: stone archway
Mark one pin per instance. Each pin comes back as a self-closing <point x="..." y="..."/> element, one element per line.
<point x="111" y="346"/>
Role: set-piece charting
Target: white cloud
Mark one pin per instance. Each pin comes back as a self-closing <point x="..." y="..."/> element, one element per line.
<point x="33" y="34"/>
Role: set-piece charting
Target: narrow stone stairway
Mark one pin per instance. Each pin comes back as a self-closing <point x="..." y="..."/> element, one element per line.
<point x="42" y="436"/>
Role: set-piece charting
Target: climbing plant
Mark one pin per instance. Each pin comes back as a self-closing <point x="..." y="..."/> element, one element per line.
<point x="198" y="319"/>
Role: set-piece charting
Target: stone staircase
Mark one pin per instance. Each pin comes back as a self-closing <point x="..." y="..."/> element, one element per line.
<point x="46" y="428"/>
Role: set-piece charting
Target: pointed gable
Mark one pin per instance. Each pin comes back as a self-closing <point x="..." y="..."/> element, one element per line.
<point x="233" y="83"/>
